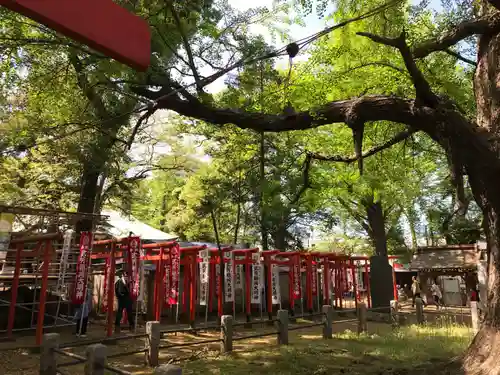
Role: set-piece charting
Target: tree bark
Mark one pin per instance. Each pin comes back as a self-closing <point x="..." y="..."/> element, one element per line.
<point x="163" y="211"/>
<point x="90" y="176"/>
<point x="263" y="226"/>
<point x="237" y="225"/>
<point x="484" y="351"/>
<point x="376" y="222"/>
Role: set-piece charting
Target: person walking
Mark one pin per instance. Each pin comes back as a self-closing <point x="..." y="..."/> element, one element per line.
<point x="437" y="295"/>
<point x="122" y="293"/>
<point x="82" y="313"/>
<point x="415" y="288"/>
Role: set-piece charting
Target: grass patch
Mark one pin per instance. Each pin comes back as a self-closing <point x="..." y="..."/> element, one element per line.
<point x="412" y="348"/>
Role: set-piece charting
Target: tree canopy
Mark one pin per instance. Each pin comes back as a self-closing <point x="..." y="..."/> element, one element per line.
<point x="383" y="124"/>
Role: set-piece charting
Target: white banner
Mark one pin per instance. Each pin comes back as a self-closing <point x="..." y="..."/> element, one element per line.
<point x="276" y="291"/>
<point x="217" y="273"/>
<point x="229" y="278"/>
<point x="297" y="280"/>
<point x="320" y="270"/>
<point x="314" y="280"/>
<point x="238" y="283"/>
<point x="204" y="254"/>
<point x="141" y="276"/>
<point x="257" y="276"/>
<point x="204" y="282"/>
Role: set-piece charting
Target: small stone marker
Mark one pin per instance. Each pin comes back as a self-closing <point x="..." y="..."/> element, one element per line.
<point x="394" y="314"/>
<point x="227" y="333"/>
<point x="96" y="359"/>
<point x="327" y="321"/>
<point x="152" y="342"/>
<point x="419" y="310"/>
<point x="48" y="364"/>
<point x="282" y="327"/>
<point x="362" y="318"/>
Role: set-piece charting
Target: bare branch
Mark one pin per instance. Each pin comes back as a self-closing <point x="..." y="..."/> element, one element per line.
<point x="144" y="118"/>
<point x="374" y="63"/>
<point x="306" y="184"/>
<point x="185" y="42"/>
<point x="351" y="159"/>
<point x="362" y="220"/>
<point x="460" y="57"/>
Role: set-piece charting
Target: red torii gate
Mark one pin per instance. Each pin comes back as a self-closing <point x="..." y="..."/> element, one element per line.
<point x="100" y="24"/>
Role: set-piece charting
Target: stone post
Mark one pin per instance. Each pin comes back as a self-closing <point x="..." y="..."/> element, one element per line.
<point x="152" y="342"/>
<point x="394" y="314"/>
<point x="282" y="327"/>
<point x="48" y="364"/>
<point x="362" y="318"/>
<point x="419" y="310"/>
<point x="96" y="359"/>
<point x="474" y="314"/>
<point x="327" y="321"/>
<point x="227" y="333"/>
<point x="168" y="370"/>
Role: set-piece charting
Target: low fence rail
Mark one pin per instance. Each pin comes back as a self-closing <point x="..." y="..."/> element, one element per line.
<point x="96" y="355"/>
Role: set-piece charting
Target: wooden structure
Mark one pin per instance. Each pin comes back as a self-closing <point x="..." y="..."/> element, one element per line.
<point x="38" y="269"/>
<point x="438" y="262"/>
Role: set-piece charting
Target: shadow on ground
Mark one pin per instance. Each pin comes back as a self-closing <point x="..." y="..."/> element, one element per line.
<point x="414" y="351"/>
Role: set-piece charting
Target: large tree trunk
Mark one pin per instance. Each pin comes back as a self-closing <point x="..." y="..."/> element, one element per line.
<point x="484" y="351"/>
<point x="88" y="194"/>
<point x="376" y="222"/>
<point x="482" y="356"/>
<point x="263" y="226"/>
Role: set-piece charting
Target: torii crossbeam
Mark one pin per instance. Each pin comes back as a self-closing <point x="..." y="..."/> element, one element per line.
<point x="100" y="24"/>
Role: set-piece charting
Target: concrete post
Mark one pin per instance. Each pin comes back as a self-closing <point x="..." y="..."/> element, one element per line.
<point x="227" y="333"/>
<point x="327" y="321"/>
<point x="282" y="327"/>
<point x="474" y="314"/>
<point x="96" y="359"/>
<point x="48" y="364"/>
<point x="419" y="309"/>
<point x="168" y="370"/>
<point x="362" y="318"/>
<point x="152" y="343"/>
<point x="394" y="314"/>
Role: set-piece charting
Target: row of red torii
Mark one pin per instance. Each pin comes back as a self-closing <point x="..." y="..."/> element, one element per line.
<point x="248" y="269"/>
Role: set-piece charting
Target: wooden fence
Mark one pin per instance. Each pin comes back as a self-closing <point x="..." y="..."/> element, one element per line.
<point x="96" y="356"/>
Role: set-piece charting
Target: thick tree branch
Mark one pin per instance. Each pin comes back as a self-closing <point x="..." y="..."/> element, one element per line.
<point x="87" y="89"/>
<point x="351" y="159"/>
<point x="367" y="108"/>
<point x="464" y="30"/>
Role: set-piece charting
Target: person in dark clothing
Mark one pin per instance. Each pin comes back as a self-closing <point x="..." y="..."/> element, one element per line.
<point x="122" y="293"/>
<point x="82" y="313"/>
